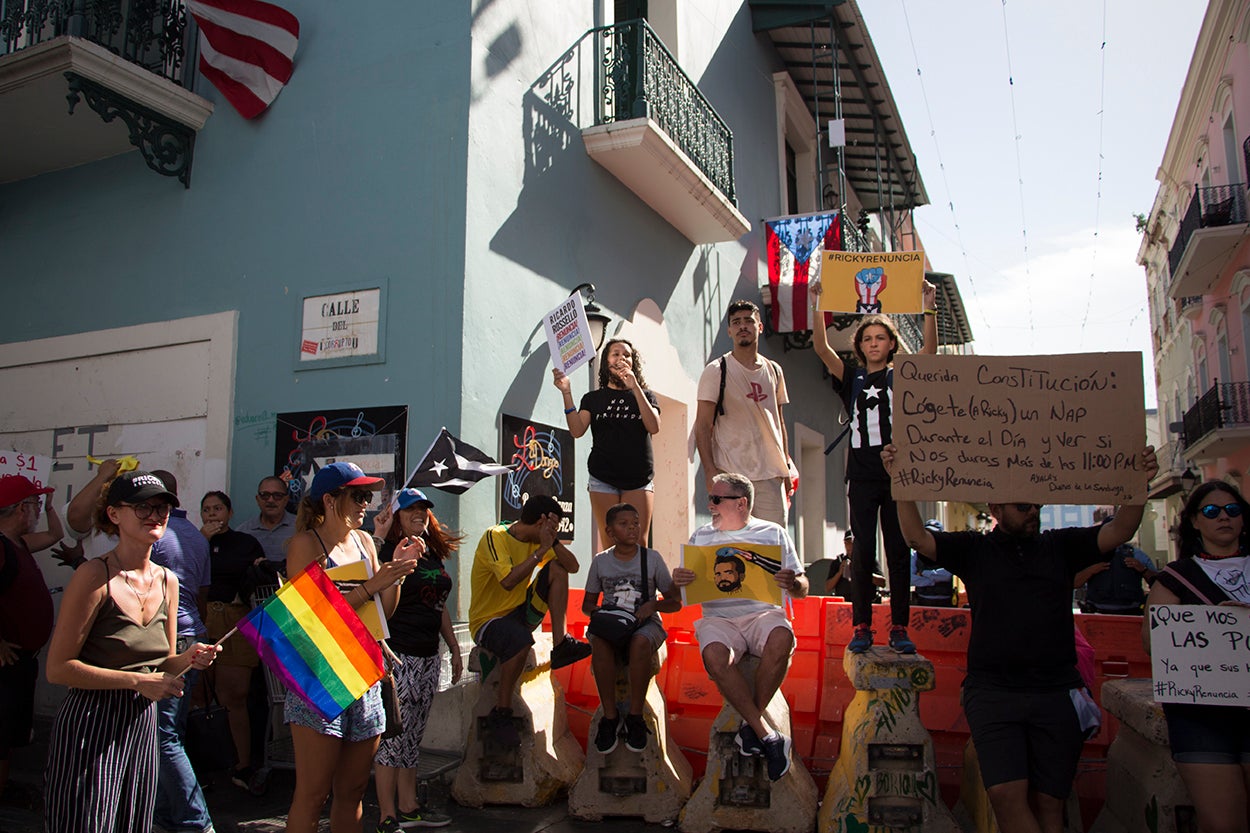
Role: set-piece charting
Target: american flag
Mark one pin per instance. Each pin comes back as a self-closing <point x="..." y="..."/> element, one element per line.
<point x="246" y="50"/>
<point x="795" y="245"/>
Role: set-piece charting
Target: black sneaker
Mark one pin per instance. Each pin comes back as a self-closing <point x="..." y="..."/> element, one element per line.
<point x="569" y="651"/>
<point x="777" y="753"/>
<point x="748" y="742"/>
<point x="606" y="736"/>
<point x="900" y="642"/>
<point x="502" y="728"/>
<point x="636" y="732"/>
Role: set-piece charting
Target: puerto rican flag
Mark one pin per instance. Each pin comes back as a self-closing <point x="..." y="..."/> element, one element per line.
<point x="453" y="465"/>
<point x="795" y="245"/>
<point x="246" y="50"/>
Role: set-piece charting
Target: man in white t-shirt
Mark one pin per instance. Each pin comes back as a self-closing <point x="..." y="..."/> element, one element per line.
<point x="735" y="626"/>
<point x="739" y="425"/>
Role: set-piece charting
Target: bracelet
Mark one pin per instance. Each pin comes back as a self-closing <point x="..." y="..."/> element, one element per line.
<point x="568" y="411"/>
<point x="930" y="312"/>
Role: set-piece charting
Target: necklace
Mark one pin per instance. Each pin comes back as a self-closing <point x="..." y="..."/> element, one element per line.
<point x="1206" y="557"/>
<point x="142" y="597"/>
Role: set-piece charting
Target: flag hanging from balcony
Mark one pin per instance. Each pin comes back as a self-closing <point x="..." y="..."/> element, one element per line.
<point x="246" y="50"/>
<point x="795" y="245"/>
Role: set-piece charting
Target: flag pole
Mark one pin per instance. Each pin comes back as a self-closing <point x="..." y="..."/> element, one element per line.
<point x="216" y="644"/>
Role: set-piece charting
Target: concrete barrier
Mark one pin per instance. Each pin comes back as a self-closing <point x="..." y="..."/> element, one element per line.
<point x="1145" y="793"/>
<point x="735" y="793"/>
<point x="885" y="777"/>
<point x="653" y="784"/>
<point x="549" y="758"/>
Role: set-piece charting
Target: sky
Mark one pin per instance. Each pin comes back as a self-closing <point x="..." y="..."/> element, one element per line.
<point x="1043" y="125"/>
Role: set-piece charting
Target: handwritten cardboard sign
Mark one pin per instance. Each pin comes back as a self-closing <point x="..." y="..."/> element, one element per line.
<point x="34" y="467"/>
<point x="867" y="282"/>
<point x="1042" y="429"/>
<point x="568" y="334"/>
<point x="1200" y="654"/>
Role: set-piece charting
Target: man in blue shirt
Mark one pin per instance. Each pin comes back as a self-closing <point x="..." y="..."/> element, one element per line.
<point x="274" y="526"/>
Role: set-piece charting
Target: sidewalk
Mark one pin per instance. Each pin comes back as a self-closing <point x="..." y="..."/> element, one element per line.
<point x="236" y="811"/>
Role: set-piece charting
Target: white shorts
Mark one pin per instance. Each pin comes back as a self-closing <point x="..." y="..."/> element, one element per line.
<point x="742" y="634"/>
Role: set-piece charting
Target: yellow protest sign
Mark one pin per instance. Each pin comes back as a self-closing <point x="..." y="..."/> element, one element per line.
<point x="735" y="570"/>
<point x="864" y="282"/>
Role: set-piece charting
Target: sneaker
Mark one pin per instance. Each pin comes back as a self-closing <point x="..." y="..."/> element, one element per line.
<point x="388" y="825"/>
<point x="569" y="651"/>
<point x="777" y="753"/>
<point x="900" y="642"/>
<point x="502" y="728"/>
<point x="748" y="742"/>
<point x="636" y="732"/>
<point x="861" y="641"/>
<point x="243" y="776"/>
<point x="423" y="817"/>
<point x="606" y="736"/>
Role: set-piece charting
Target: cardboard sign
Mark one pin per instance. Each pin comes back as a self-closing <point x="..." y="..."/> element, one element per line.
<point x="1200" y="654"/>
<point x="732" y="571"/>
<point x="864" y="282"/>
<point x="1042" y="429"/>
<point x="34" y="467"/>
<point x="568" y="334"/>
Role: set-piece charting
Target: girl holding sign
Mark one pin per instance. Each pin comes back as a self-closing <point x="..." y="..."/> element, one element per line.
<point x="867" y="394"/>
<point x="1210" y="744"/>
<point x="621" y="415"/>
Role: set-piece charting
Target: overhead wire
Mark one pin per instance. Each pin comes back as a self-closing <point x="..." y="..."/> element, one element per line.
<point x="1015" y="127"/>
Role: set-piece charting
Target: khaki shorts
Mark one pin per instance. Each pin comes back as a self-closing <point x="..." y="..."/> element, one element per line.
<point x="742" y="634"/>
<point x="235" y="651"/>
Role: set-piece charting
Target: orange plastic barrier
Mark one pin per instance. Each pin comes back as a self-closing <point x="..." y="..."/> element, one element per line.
<point x="818" y="690"/>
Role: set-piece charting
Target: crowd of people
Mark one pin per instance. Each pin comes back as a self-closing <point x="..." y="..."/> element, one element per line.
<point x="140" y="634"/>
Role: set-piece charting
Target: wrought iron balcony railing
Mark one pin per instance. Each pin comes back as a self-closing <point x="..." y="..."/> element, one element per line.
<point x="1213" y="206"/>
<point x="1224" y="405"/>
<point x="149" y="33"/>
<point x="639" y="77"/>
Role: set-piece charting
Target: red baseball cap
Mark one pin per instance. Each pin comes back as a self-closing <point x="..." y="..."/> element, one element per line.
<point x="14" y="488"/>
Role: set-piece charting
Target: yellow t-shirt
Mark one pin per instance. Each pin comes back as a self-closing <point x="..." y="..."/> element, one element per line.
<point x="497" y="553"/>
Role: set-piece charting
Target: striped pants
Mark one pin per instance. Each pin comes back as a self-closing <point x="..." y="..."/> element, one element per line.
<point x="102" y="764"/>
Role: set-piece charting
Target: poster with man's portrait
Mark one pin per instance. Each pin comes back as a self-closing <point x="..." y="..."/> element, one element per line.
<point x="732" y="571"/>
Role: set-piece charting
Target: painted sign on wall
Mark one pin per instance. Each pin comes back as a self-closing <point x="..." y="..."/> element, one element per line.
<point x="341" y="325"/>
<point x="543" y="455"/>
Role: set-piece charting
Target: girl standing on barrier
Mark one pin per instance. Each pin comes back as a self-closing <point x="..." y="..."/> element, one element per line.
<point x="1210" y="744"/>
<point x="416" y="625"/>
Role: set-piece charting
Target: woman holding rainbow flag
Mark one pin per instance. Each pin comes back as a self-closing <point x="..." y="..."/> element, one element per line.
<point x="337" y="755"/>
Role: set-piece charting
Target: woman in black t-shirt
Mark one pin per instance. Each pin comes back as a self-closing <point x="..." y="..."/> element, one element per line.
<point x="621" y="415"/>
<point x="416" y="625"/>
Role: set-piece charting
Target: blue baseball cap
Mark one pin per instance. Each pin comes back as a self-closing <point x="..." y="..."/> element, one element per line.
<point x="338" y="475"/>
<point x="405" y="498"/>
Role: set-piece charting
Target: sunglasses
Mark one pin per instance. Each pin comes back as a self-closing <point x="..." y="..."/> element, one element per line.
<point x="1211" y="511"/>
<point x="718" y="498"/>
<point x="1026" y="507"/>
<point x="361" y="496"/>
<point x="271" y="495"/>
<point x="143" y="511"/>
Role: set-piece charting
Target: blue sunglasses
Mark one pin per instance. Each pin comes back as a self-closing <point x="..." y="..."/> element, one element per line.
<point x="1211" y="511"/>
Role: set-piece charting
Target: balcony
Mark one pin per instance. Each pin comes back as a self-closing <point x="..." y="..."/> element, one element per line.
<point x="1219" y="423"/>
<point x="655" y="131"/>
<point x="127" y="60"/>
<point x="1212" y="228"/>
<point x="1191" y="306"/>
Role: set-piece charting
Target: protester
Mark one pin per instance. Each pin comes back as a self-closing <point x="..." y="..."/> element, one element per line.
<point x="1210" y="744"/>
<point x="184" y="553"/>
<point x="618" y="574"/>
<point x="335" y="756"/>
<point x="113" y="645"/>
<point x="867" y="393"/>
<point x="1115" y="585"/>
<point x="25" y="609"/>
<point x="420" y="618"/>
<point x="621" y="415"/>
<point x="731" y="628"/>
<point x="739" y="426"/>
<point x="1023" y="695"/>
<point x="274" y="526"/>
<point x="506" y="604"/>
<point x="236" y="559"/>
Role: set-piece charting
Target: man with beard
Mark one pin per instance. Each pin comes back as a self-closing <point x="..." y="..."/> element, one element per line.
<point x="728" y="572"/>
<point x="739" y="426"/>
<point x="736" y="626"/>
<point x="1022" y="692"/>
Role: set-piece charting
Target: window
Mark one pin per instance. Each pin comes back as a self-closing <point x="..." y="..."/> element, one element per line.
<point x="796" y="148"/>
<point x="792" y="181"/>
<point x="1221" y="348"/>
<point x="1204" y="381"/>
<point x="1232" y="173"/>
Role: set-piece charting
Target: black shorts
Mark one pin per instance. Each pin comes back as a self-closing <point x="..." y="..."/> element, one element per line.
<point x="17" y="701"/>
<point x="1025" y="735"/>
<point x="508" y="635"/>
<point x="1203" y="734"/>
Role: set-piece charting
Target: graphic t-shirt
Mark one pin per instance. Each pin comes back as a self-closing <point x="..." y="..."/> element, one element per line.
<point x="621" y="452"/>
<point x="1229" y="574"/>
<point x="417" y="618"/>
<point x="870" y="415"/>
<point x="747" y="438"/>
<point x="755" y="532"/>
<point x="620" y="581"/>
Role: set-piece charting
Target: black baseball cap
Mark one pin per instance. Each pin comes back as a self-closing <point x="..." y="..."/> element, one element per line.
<point x="136" y="487"/>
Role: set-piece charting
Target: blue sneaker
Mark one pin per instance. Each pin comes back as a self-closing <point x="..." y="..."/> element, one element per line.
<point x="862" y="640"/>
<point x="777" y="754"/>
<point x="899" y="641"/>
<point x="748" y="742"/>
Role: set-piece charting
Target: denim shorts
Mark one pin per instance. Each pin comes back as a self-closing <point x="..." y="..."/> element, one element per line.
<point x="594" y="484"/>
<point x="1203" y="734"/>
<point x="361" y="720"/>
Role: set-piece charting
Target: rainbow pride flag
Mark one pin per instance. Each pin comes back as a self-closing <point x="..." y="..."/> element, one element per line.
<point x="308" y="635"/>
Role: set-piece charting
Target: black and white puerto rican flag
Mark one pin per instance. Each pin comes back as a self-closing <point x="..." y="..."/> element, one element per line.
<point x="453" y="466"/>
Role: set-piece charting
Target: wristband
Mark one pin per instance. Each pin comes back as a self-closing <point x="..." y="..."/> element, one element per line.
<point x="568" y="411"/>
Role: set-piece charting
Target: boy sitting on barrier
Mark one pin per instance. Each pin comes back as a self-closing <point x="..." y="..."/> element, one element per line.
<point x="627" y="627"/>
